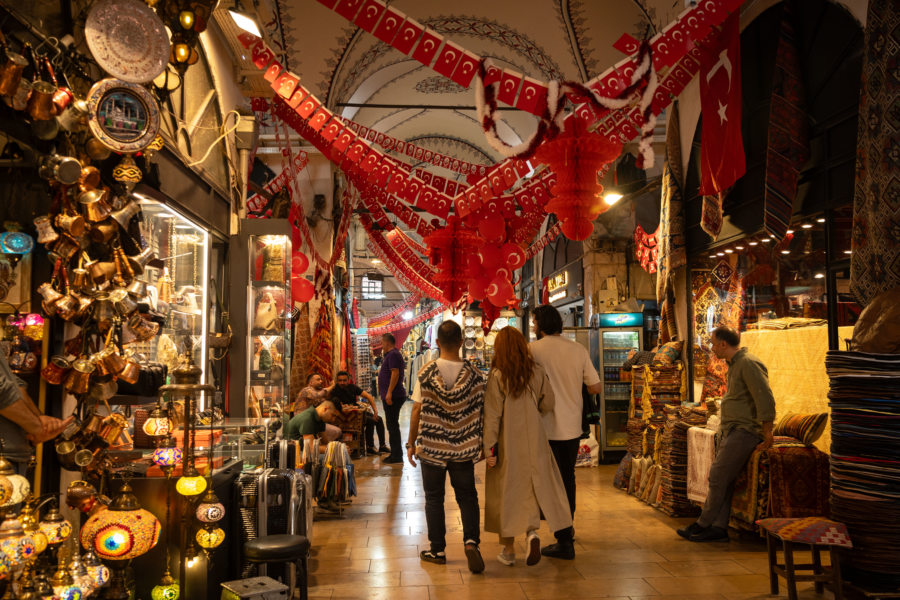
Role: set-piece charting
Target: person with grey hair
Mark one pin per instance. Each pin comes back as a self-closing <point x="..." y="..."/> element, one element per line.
<point x="747" y="415"/>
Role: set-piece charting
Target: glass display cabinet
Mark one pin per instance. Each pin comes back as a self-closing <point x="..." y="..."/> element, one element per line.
<point x="261" y="353"/>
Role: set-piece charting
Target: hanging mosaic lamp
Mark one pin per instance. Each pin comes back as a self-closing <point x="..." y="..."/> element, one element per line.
<point x="96" y="569"/>
<point x="55" y="527"/>
<point x="127" y="173"/>
<point x="191" y="482"/>
<point x="167" y="455"/>
<point x="20" y="486"/>
<point x="80" y="576"/>
<point x="15" y="543"/>
<point x="168" y="589"/>
<point x="210" y="537"/>
<point x="6" y="566"/>
<point x="6" y="489"/>
<point x="158" y="423"/>
<point x="210" y="510"/>
<point x="124" y="531"/>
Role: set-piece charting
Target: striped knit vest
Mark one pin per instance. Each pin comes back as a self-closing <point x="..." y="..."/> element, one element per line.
<point x="452" y="420"/>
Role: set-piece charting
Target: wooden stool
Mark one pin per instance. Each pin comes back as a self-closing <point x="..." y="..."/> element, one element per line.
<point x="815" y="532"/>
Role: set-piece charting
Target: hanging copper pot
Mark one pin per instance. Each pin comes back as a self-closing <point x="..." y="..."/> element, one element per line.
<point x="62" y="99"/>
<point x="18" y="98"/>
<point x="56" y="370"/>
<point x="126" y="213"/>
<point x="46" y="233"/>
<point x="85" y="303"/>
<point x="103" y="232"/>
<point x="94" y="205"/>
<point x="45" y="129"/>
<point x="132" y="371"/>
<point x="139" y="261"/>
<point x="63" y="169"/>
<point x="65" y="454"/>
<point x="65" y="248"/>
<point x="51" y="297"/>
<point x="40" y="102"/>
<point x="71" y="224"/>
<point x="96" y="150"/>
<point x="67" y="307"/>
<point x="142" y="328"/>
<point x="11" y="72"/>
<point x="113" y="426"/>
<point x="104" y="312"/>
<point x="102" y="392"/>
<point x="124" y="303"/>
<point x="101" y="272"/>
<point x="75" y="118"/>
<point x="73" y="346"/>
<point x="138" y="289"/>
<point x="81" y="280"/>
<point x="78" y="380"/>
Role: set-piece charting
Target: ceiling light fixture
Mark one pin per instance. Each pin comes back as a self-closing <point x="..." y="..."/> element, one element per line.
<point x="806" y="226"/>
<point x="738" y="247"/>
<point x="720" y="254"/>
<point x="789" y="231"/>
<point x="819" y="276"/>
<point x="766" y="240"/>
<point x="785" y="251"/>
<point x="728" y="251"/>
<point x="246" y="23"/>
<point x="848" y="251"/>
<point x="820" y="220"/>
<point x="754" y="243"/>
<point x="407" y="315"/>
<point x="611" y="197"/>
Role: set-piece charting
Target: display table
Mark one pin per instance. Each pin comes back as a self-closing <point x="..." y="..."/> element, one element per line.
<point x="795" y="359"/>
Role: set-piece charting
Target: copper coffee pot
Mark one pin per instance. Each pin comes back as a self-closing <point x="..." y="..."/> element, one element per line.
<point x="79" y="378"/>
<point x="11" y="71"/>
<point x="94" y="205"/>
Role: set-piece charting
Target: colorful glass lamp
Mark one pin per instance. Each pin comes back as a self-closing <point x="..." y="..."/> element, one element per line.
<point x="20" y="486"/>
<point x="191" y="483"/>
<point x="124" y="531"/>
<point x="210" y="510"/>
<point x="158" y="423"/>
<point x="55" y="527"/>
<point x="15" y="543"/>
<point x="210" y="537"/>
<point x="96" y="569"/>
<point x="168" y="589"/>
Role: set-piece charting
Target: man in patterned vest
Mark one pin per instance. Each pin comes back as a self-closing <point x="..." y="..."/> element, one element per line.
<point x="445" y="433"/>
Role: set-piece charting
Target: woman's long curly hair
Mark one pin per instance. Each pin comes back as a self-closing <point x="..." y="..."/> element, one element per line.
<point x="513" y="360"/>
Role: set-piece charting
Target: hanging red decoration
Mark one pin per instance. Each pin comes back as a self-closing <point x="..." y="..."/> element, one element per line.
<point x="450" y="248"/>
<point x="302" y="290"/>
<point x="299" y="263"/>
<point x="577" y="157"/>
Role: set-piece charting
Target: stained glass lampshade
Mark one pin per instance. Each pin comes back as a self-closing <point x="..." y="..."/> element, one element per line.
<point x="191" y="483"/>
<point x="124" y="531"/>
<point x="158" y="423"/>
<point x="168" y="589"/>
<point x="6" y="489"/>
<point x="20" y="486"/>
<point x="167" y="457"/>
<point x="96" y="569"/>
<point x="210" y="510"/>
<point x="210" y="538"/>
<point x="55" y="527"/>
<point x="15" y="543"/>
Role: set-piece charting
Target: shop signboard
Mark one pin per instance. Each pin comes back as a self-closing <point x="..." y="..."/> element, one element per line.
<point x="621" y="320"/>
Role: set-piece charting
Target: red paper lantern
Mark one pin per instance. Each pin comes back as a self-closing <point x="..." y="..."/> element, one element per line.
<point x="492" y="228"/>
<point x="299" y="263"/>
<point x="513" y="256"/>
<point x="576" y="157"/>
<point x="500" y="291"/>
<point x="491" y="259"/>
<point x="301" y="289"/>
<point x="451" y="248"/>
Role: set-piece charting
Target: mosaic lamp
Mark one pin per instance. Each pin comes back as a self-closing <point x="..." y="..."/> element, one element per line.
<point x="158" y="423"/>
<point x="6" y="489"/>
<point x="191" y="482"/>
<point x="124" y="531"/>
<point x="167" y="456"/>
<point x="210" y="510"/>
<point x="168" y="589"/>
<point x="6" y="566"/>
<point x="210" y="537"/>
<point x="31" y="527"/>
<point x="20" y="486"/>
<point x="96" y="569"/>
<point x="80" y="576"/>
<point x="15" y="543"/>
<point x="55" y="527"/>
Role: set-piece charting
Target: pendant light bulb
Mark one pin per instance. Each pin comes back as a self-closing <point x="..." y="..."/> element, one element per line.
<point x="186" y="18"/>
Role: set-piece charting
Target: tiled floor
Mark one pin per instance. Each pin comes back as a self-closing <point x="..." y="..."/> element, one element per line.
<point x="625" y="550"/>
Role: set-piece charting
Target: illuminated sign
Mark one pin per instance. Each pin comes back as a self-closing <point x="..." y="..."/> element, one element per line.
<point x="558" y="296"/>
<point x="621" y="319"/>
<point x="558" y="282"/>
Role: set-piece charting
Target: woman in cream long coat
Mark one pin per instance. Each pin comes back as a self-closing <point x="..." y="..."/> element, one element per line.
<point x="522" y="480"/>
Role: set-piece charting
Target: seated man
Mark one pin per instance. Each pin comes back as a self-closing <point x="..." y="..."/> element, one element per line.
<point x="346" y="396"/>
<point x="314" y="423"/>
<point x="314" y="392"/>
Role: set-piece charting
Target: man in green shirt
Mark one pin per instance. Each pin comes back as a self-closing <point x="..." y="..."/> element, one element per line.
<point x="311" y="423"/>
<point x="747" y="414"/>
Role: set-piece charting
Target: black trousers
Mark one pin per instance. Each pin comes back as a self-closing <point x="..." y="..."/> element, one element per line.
<point x="374" y="423"/>
<point x="462" y="478"/>
<point x="565" y="452"/>
<point x="392" y="420"/>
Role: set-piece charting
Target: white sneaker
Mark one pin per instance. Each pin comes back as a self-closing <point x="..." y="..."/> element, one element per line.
<point x="506" y="559"/>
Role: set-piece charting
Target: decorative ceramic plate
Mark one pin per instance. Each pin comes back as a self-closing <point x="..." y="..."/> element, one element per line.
<point x="124" y="116"/>
<point x="500" y="323"/>
<point x="470" y="321"/>
<point x="470" y="344"/>
<point x="479" y="343"/>
<point x="470" y="332"/>
<point x="489" y="338"/>
<point x="128" y="40"/>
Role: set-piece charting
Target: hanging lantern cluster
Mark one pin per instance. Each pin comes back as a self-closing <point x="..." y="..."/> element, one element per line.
<point x="450" y="249"/>
<point x="124" y="531"/>
<point x="187" y="19"/>
<point x="499" y="255"/>
<point x="579" y="159"/>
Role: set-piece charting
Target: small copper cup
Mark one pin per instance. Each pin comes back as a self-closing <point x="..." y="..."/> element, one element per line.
<point x="110" y="362"/>
<point x="46" y="233"/>
<point x="40" y="102"/>
<point x="93" y="424"/>
<point x="90" y="178"/>
<point x="101" y="272"/>
<point x="142" y="328"/>
<point x="85" y="303"/>
<point x="81" y="279"/>
<point x="131" y="372"/>
<point x="124" y="304"/>
<point x="104" y="312"/>
<point x="103" y="232"/>
<point x="11" y="72"/>
<point x="71" y="224"/>
<point x="55" y="371"/>
<point x="102" y="392"/>
<point x="65" y="453"/>
<point x="61" y="99"/>
<point x="65" y="248"/>
<point x="78" y="381"/>
<point x="137" y="288"/>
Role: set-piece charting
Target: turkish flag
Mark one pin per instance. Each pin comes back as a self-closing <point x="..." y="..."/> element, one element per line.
<point x="348" y="8"/>
<point x="427" y="47"/>
<point x="318" y="120"/>
<point x="308" y="107"/>
<point x="299" y="94"/>
<point x="466" y="69"/>
<point x="408" y="35"/>
<point x="332" y="129"/>
<point x="448" y="59"/>
<point x="509" y="85"/>
<point x="343" y="141"/>
<point x="533" y="97"/>
<point x="369" y="15"/>
<point x="721" y="144"/>
<point x="389" y="26"/>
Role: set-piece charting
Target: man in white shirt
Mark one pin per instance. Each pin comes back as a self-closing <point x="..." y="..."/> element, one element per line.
<point x="568" y="366"/>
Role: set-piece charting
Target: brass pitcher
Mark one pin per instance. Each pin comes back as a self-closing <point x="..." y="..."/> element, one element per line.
<point x="75" y="118"/>
<point x="137" y="288"/>
<point x="139" y="262"/>
<point x="65" y="248"/>
<point x="78" y="380"/>
<point x="123" y="302"/>
<point x="89" y="178"/>
<point x="81" y="280"/>
<point x="103" y="391"/>
<point x="40" y="103"/>
<point x="103" y="232"/>
<point x="113" y="426"/>
<point x="71" y="224"/>
<point x="56" y="370"/>
<point x="67" y="307"/>
<point x="126" y="213"/>
<point x="51" y="297"/>
<point x="104" y="312"/>
<point x="101" y="272"/>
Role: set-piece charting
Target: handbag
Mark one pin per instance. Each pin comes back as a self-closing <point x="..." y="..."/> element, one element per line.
<point x="266" y="313"/>
<point x="590" y="411"/>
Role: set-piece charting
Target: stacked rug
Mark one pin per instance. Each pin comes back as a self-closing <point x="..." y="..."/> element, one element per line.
<point x="864" y="396"/>
<point x="674" y="460"/>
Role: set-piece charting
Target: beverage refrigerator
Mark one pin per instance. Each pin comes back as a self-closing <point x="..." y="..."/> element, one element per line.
<point x="618" y="334"/>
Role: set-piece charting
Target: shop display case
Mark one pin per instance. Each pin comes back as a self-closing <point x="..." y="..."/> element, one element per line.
<point x="261" y="356"/>
<point x="175" y="269"/>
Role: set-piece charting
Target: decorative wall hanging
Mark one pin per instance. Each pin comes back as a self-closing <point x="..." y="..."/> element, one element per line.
<point x="124" y="116"/>
<point x="645" y="248"/>
<point x="127" y="39"/>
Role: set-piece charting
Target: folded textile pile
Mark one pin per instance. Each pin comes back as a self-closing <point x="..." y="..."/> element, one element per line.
<point x="674" y="460"/>
<point x="864" y="396"/>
